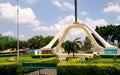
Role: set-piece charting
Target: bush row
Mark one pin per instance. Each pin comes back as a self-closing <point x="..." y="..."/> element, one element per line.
<point x="86" y="69"/>
<point x="13" y="68"/>
<point x="8" y="55"/>
<point x="10" y="68"/>
<point x="74" y="60"/>
<point x="44" y="56"/>
<point x="109" y="56"/>
<point x="12" y="54"/>
<point x="45" y="62"/>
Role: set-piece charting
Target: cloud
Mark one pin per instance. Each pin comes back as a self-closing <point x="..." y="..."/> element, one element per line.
<point x="84" y="13"/>
<point x="112" y="8"/>
<point x="64" y="5"/>
<point x="8" y="33"/>
<point x="8" y="13"/>
<point x="12" y="34"/>
<point x="118" y="18"/>
<point x="56" y="27"/>
<point x="31" y="1"/>
<point x="116" y="24"/>
<point x="96" y="22"/>
<point x="22" y="37"/>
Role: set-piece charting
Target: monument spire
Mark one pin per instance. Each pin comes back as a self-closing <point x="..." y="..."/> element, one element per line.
<point x="75" y="5"/>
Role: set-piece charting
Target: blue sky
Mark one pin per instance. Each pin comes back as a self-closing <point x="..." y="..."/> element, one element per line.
<point x="47" y="17"/>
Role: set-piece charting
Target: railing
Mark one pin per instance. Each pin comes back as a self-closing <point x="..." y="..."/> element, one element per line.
<point x="39" y="65"/>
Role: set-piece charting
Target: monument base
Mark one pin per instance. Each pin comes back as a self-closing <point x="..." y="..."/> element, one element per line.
<point x="46" y="51"/>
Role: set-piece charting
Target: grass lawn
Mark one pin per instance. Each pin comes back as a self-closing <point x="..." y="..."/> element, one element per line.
<point x="23" y="58"/>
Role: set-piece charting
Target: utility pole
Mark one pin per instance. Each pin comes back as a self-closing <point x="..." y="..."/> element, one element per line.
<point x="17" y="31"/>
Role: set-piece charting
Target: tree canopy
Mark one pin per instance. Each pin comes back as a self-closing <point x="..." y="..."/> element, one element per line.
<point x="36" y="42"/>
<point x="110" y="33"/>
<point x="73" y="46"/>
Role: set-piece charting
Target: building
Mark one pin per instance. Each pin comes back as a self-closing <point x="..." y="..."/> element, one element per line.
<point x="7" y="38"/>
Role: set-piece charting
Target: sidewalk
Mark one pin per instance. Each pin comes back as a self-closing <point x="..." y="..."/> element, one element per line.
<point x="43" y="72"/>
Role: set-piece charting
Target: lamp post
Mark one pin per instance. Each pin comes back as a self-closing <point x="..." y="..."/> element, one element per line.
<point x="17" y="31"/>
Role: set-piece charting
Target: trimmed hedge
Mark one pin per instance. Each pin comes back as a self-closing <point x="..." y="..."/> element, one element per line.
<point x="74" y="60"/>
<point x="7" y="55"/>
<point x="44" y="56"/>
<point x="37" y="64"/>
<point x="12" y="54"/>
<point x="86" y="69"/>
<point x="10" y="68"/>
<point x="109" y="56"/>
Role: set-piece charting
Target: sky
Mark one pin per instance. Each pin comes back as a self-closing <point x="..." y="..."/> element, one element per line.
<point x="48" y="17"/>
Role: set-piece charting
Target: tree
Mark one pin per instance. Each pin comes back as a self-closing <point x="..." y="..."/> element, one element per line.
<point x="11" y="44"/>
<point x="73" y="46"/>
<point x="2" y="44"/>
<point x="47" y="40"/>
<point x="87" y="44"/>
<point x="35" y="42"/>
<point x="110" y="33"/>
<point x="23" y="44"/>
<point x="67" y="46"/>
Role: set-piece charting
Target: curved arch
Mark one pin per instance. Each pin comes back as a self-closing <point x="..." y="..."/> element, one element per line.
<point x="77" y="26"/>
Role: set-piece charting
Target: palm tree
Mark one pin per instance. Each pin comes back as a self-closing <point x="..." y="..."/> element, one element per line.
<point x="73" y="46"/>
<point x="67" y="46"/>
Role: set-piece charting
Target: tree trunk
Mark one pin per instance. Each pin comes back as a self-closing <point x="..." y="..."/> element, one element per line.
<point x="73" y="54"/>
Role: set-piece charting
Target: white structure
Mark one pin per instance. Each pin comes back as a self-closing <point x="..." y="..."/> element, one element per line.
<point x="88" y="31"/>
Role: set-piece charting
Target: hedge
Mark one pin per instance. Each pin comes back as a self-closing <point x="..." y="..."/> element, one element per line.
<point x="49" y="61"/>
<point x="11" y="54"/>
<point x="8" y="55"/>
<point x="74" y="60"/>
<point x="86" y="69"/>
<point x="10" y="68"/>
<point x="44" y="56"/>
<point x="13" y="68"/>
<point x="109" y="56"/>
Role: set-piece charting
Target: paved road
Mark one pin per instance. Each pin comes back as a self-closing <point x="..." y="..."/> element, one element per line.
<point x="62" y="56"/>
<point x="43" y="72"/>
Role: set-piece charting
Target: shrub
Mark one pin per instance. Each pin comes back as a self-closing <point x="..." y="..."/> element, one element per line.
<point x="13" y="68"/>
<point x="86" y="69"/>
<point x="110" y="56"/>
<point x="51" y="61"/>
<point x="44" y="56"/>
<point x="7" y="55"/>
<point x="74" y="60"/>
<point x="89" y="51"/>
<point x="10" y="68"/>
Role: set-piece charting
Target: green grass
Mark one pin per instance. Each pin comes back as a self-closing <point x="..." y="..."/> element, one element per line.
<point x="24" y="58"/>
<point x="28" y="58"/>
